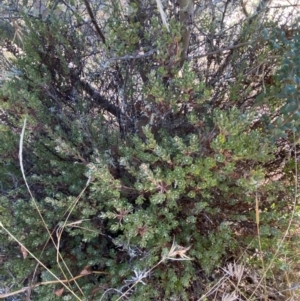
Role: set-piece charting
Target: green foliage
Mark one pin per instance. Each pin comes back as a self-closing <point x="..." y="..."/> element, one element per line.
<point x="116" y="194"/>
<point x="287" y="79"/>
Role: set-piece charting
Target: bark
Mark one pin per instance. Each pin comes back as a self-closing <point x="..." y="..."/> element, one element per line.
<point x="186" y="16"/>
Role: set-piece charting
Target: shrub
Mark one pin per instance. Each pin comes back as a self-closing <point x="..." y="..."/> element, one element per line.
<point x="144" y="180"/>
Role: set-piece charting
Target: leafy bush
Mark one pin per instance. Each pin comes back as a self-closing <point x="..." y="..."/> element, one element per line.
<point x="144" y="180"/>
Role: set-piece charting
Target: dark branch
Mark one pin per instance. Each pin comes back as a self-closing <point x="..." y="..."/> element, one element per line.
<point x="89" y="9"/>
<point x="103" y="102"/>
